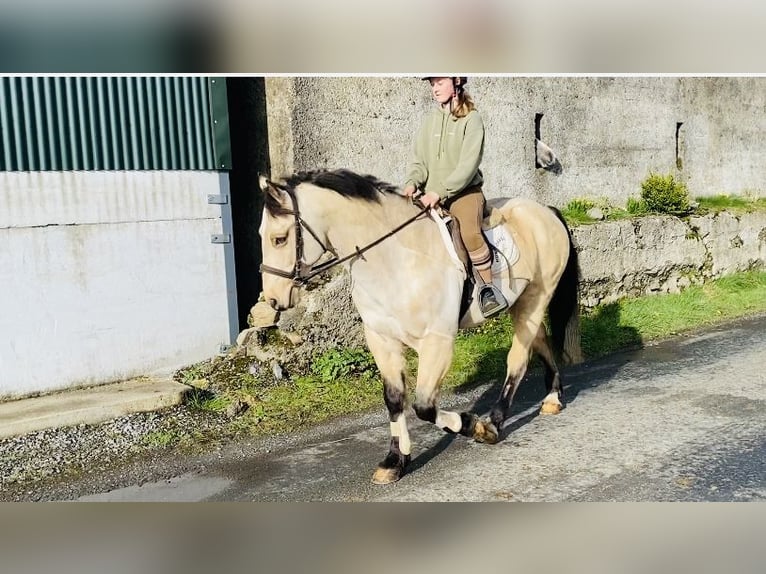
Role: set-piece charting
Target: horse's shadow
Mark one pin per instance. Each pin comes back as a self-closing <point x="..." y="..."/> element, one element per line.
<point x="598" y="326"/>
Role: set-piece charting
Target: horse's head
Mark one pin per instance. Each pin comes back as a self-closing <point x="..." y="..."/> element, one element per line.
<point x="288" y="255"/>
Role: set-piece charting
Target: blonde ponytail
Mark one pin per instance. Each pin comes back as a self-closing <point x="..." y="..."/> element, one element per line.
<point x="462" y="103"/>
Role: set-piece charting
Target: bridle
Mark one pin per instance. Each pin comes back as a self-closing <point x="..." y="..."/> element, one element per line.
<point x="303" y="272"/>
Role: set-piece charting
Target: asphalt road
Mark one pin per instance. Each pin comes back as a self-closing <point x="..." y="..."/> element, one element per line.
<point x="682" y="420"/>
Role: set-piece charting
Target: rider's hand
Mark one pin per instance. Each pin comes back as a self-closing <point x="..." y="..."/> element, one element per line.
<point x="410" y="190"/>
<point x="430" y="199"/>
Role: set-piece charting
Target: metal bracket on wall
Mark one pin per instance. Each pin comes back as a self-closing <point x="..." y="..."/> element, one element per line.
<point x="218" y="199"/>
<point x="220" y="238"/>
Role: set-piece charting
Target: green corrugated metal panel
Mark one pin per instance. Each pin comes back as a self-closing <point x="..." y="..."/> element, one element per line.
<point x="219" y="111"/>
<point x="103" y="123"/>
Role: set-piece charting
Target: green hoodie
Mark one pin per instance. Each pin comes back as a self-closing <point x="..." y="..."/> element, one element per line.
<point x="447" y="153"/>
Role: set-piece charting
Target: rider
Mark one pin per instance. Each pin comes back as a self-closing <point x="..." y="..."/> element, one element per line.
<point x="445" y="166"/>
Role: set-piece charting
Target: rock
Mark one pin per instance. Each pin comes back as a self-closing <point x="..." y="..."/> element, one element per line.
<point x="262" y="315"/>
<point x="294" y="338"/>
<point x="276" y="369"/>
<point x="236" y="408"/>
<point x="260" y="355"/>
<point x="201" y="383"/>
<point x="244" y="337"/>
<point x="595" y="213"/>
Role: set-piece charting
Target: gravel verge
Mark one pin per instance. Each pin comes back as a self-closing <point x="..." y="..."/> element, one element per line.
<point x="46" y="455"/>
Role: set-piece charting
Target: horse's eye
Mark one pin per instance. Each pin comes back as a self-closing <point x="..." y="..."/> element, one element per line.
<point x="281" y="240"/>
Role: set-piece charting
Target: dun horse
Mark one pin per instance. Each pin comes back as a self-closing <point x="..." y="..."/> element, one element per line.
<point x="408" y="290"/>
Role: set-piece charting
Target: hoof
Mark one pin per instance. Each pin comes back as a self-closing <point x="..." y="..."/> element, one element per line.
<point x="550" y="409"/>
<point x="485" y="432"/>
<point x="386" y="475"/>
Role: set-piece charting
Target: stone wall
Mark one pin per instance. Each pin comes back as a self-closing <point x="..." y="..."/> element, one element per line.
<point x="662" y="254"/>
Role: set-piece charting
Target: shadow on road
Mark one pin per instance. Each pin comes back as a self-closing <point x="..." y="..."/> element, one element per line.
<point x="601" y="333"/>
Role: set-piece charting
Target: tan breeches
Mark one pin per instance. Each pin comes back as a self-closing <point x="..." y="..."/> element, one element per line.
<point x="468" y="209"/>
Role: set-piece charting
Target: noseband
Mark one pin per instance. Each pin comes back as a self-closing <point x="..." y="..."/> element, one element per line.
<point x="303" y="272"/>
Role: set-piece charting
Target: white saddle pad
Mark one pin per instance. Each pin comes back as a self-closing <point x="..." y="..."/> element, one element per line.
<point x="505" y="254"/>
<point x="506" y="251"/>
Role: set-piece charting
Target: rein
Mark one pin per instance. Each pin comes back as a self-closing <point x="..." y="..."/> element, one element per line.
<point x="302" y="272"/>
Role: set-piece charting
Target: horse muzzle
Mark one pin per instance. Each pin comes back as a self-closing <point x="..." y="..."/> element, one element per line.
<point x="282" y="303"/>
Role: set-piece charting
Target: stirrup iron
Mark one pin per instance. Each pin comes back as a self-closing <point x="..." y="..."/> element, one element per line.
<point x="499" y="297"/>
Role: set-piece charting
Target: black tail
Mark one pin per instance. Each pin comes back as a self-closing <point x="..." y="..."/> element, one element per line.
<point x="564" y="308"/>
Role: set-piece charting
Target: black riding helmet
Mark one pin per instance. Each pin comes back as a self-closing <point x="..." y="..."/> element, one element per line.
<point x="458" y="80"/>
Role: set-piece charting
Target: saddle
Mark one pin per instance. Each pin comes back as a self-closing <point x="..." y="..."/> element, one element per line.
<point x="501" y="244"/>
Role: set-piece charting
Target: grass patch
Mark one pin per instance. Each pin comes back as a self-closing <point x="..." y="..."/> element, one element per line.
<point x="160" y="439"/>
<point x="342" y="382"/>
<point x="633" y="321"/>
<point x="480" y="353"/>
<point x="734" y="203"/>
<point x="202" y="400"/>
<point x="309" y="400"/>
<point x="576" y="211"/>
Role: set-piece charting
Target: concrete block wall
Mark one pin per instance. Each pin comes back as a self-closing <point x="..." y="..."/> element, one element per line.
<point x="608" y="132"/>
<point x="107" y="276"/>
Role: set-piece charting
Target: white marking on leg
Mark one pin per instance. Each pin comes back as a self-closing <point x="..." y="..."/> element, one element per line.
<point x="553" y="397"/>
<point x="399" y="429"/>
<point x="450" y="420"/>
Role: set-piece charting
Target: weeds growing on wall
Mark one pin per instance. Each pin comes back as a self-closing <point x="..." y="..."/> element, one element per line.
<point x="732" y="203"/>
<point x="577" y="210"/>
<point x="665" y="194"/>
<point x="636" y="206"/>
<point x="661" y="195"/>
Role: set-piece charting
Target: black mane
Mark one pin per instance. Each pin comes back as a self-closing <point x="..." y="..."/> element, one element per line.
<point x="342" y="181"/>
<point x="345" y="182"/>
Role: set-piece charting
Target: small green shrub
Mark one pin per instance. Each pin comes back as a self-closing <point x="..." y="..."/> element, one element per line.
<point x="663" y="194"/>
<point x="338" y="363"/>
<point x="636" y="206"/>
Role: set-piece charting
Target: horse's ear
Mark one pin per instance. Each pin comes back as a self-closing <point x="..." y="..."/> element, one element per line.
<point x="269" y="188"/>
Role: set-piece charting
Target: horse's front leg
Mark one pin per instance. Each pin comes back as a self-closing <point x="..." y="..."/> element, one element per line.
<point x="434" y="360"/>
<point x="390" y="360"/>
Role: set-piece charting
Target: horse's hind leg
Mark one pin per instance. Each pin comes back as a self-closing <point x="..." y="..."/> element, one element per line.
<point x="434" y="359"/>
<point x="553" y="401"/>
<point x="390" y="360"/>
<point x="527" y="320"/>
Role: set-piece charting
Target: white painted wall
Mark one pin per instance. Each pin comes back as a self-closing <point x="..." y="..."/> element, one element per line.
<point x="106" y="276"/>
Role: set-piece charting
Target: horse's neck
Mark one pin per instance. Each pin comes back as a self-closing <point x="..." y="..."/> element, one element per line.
<point x="366" y="223"/>
<point x="407" y="278"/>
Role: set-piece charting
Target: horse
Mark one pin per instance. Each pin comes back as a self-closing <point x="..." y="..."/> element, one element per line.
<point x="408" y="290"/>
